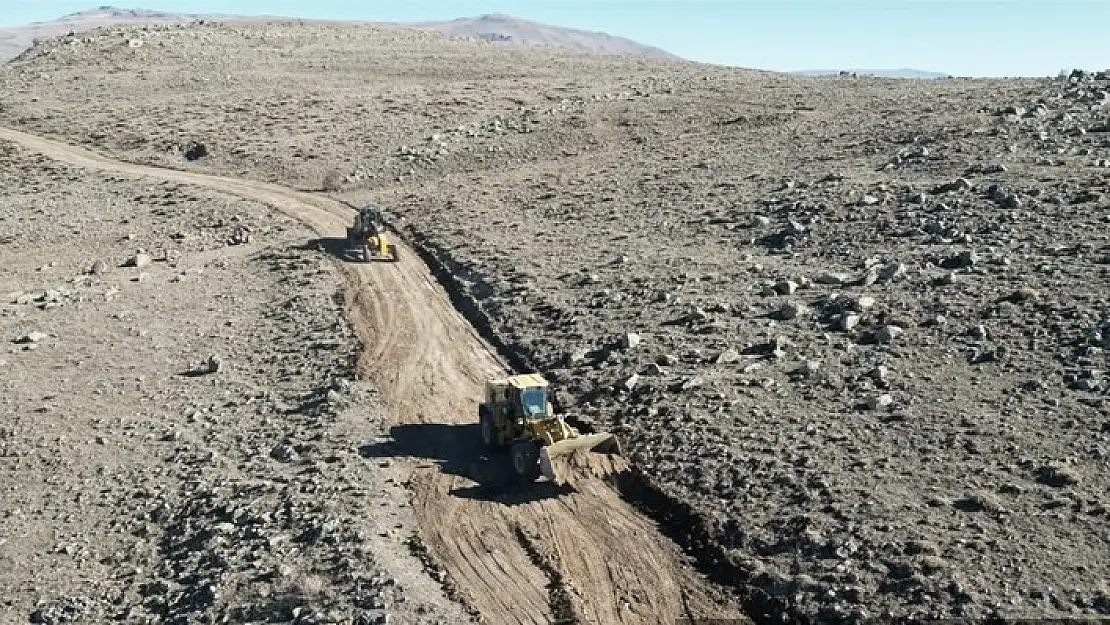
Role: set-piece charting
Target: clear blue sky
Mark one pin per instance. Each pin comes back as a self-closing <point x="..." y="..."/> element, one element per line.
<point x="961" y="37"/>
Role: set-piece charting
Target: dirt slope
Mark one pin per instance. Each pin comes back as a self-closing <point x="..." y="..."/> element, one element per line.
<point x="581" y="555"/>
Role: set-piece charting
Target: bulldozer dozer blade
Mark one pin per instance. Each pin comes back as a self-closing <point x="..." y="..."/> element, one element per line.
<point x="603" y="443"/>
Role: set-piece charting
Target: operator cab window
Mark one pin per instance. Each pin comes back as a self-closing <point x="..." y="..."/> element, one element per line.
<point x="534" y="401"/>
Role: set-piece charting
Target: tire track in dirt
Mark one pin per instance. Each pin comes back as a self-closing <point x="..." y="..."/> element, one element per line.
<point x="541" y="555"/>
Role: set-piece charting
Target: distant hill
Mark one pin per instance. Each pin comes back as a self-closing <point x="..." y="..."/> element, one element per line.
<point x="16" y="39"/>
<point x="493" y="27"/>
<point x="877" y="73"/>
<point x="505" y="28"/>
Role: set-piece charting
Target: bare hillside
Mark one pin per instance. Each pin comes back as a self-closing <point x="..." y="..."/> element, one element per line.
<point x="905" y="73"/>
<point x="852" y="332"/>
<point x="494" y="27"/>
<point x="509" y="29"/>
<point x="14" y="40"/>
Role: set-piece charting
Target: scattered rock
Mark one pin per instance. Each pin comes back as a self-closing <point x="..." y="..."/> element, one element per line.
<point x="1057" y="475"/>
<point x="630" y="382"/>
<point x="960" y="184"/>
<point x="965" y="259"/>
<point x="208" y="367"/>
<point x="138" y="260"/>
<point x="33" y="337"/>
<point x="891" y="272"/>
<point x="888" y="333"/>
<point x="828" y="277"/>
<point x="847" y="322"/>
<point x="791" y="310"/>
<point x="828" y="499"/>
<point x="195" y="150"/>
<point x="284" y="453"/>
<point x="932" y="564"/>
<point x="786" y="287"/>
<point x="863" y="303"/>
<point x="809" y="368"/>
<point x="979" y="501"/>
<point x="880" y="374"/>
<point x="878" y="402"/>
<point x="240" y="236"/>
<point x="728" y="356"/>
<point x="921" y="547"/>
<point x="692" y="382"/>
<point x="62" y="611"/>
<point x="1024" y="294"/>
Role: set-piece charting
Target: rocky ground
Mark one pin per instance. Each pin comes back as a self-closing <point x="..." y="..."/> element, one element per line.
<point x="180" y="420"/>
<point x="857" y="325"/>
<point x="881" y="382"/>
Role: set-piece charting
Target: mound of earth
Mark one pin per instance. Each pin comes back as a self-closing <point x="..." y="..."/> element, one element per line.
<point x="856" y="327"/>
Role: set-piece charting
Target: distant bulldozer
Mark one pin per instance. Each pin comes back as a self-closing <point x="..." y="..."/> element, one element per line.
<point x="517" y="416"/>
<point x="368" y="238"/>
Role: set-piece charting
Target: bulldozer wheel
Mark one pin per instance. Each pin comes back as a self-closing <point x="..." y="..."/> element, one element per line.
<point x="526" y="460"/>
<point x="489" y="429"/>
<point x="393" y="253"/>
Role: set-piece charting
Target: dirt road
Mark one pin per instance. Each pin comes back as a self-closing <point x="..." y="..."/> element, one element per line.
<point x="572" y="555"/>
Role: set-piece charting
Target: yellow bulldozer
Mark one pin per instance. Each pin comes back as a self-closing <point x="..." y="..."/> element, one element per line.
<point x="517" y="415"/>
<point x="368" y="238"/>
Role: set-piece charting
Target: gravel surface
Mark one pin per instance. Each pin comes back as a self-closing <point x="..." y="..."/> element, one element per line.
<point x="857" y="326"/>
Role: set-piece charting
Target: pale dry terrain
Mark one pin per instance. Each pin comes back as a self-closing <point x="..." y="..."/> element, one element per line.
<point x="14" y="40"/>
<point x="868" y="371"/>
<point x="507" y="29"/>
<point x="494" y="27"/>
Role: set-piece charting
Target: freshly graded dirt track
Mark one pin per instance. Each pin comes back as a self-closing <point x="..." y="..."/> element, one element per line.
<point x="576" y="554"/>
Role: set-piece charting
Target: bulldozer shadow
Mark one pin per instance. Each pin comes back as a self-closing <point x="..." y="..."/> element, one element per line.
<point x="333" y="246"/>
<point x="458" y="450"/>
<point x="338" y="248"/>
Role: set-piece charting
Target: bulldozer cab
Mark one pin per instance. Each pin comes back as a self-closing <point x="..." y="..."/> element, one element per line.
<point x="529" y="392"/>
<point x="533" y="402"/>
<point x="522" y="396"/>
<point x="368" y="238"/>
<point x="370" y="220"/>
